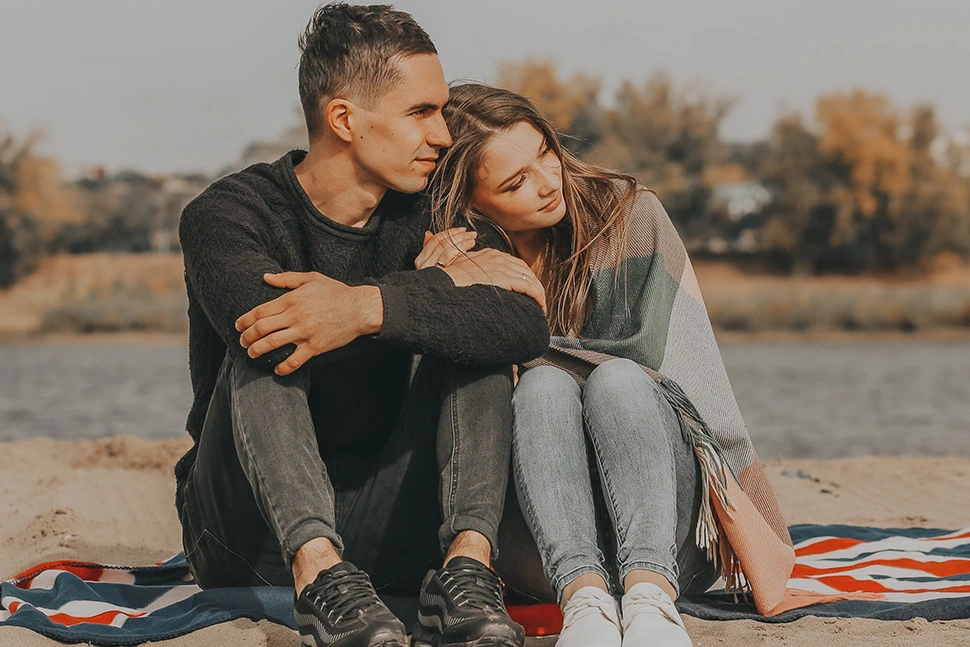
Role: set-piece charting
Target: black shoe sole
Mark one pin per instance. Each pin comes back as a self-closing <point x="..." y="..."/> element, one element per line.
<point x="432" y="639"/>
<point x="384" y="639"/>
<point x="486" y="641"/>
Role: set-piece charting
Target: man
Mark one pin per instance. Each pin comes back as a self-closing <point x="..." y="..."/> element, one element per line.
<point x="317" y="453"/>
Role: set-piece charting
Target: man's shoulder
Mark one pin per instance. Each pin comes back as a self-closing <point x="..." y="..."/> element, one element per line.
<point x="251" y="193"/>
<point x="407" y="210"/>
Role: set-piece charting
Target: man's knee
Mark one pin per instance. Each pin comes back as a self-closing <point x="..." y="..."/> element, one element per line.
<point x="243" y="374"/>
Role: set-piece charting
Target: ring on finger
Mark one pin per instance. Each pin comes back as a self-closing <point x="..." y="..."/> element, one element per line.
<point x="439" y="263"/>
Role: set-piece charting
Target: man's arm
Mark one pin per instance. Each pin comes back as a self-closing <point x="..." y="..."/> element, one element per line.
<point x="424" y="311"/>
<point x="226" y="256"/>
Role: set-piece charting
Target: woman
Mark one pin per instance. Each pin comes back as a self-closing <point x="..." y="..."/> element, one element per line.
<point x="621" y="300"/>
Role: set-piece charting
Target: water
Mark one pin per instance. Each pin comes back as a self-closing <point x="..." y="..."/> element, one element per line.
<point x="799" y="400"/>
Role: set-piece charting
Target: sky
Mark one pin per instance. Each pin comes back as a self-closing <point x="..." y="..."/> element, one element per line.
<point x="183" y="85"/>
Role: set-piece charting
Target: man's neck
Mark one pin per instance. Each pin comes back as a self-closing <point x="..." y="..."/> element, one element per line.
<point x="336" y="189"/>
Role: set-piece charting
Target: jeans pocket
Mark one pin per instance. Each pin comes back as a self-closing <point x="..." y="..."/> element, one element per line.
<point x="214" y="564"/>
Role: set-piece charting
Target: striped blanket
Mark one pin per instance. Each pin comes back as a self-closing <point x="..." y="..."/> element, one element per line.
<point x="908" y="573"/>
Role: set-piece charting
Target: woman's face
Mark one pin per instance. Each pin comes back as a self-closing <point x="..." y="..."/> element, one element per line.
<point x="519" y="183"/>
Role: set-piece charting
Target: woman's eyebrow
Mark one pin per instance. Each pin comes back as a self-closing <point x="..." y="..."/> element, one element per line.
<point x="512" y="177"/>
<point x="542" y="147"/>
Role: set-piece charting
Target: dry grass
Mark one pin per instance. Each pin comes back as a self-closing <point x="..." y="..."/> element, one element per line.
<point x="741" y="302"/>
<point x="98" y="293"/>
<point x="145" y="292"/>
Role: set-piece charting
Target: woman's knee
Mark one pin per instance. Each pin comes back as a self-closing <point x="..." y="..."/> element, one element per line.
<point x="618" y="379"/>
<point x="546" y="382"/>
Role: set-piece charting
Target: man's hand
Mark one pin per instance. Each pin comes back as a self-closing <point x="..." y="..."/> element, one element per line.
<point x="443" y="248"/>
<point x="318" y="315"/>
<point x="492" y="267"/>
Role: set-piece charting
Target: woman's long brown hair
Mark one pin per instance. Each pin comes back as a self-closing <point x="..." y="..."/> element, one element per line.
<point x="597" y="199"/>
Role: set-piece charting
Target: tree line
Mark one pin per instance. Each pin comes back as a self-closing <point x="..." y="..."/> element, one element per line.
<point x="858" y="186"/>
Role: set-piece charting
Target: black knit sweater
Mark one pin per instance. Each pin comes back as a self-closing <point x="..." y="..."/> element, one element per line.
<point x="261" y="220"/>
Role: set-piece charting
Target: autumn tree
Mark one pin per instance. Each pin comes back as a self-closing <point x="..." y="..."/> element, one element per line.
<point x="860" y="189"/>
<point x="571" y="104"/>
<point x="34" y="204"/>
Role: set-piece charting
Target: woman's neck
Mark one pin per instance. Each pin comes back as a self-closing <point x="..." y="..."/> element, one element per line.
<point x="530" y="246"/>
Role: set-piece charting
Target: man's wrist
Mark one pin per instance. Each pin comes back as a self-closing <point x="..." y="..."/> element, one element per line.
<point x="370" y="309"/>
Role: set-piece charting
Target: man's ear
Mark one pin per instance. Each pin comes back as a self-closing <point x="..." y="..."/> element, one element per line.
<point x="339" y="116"/>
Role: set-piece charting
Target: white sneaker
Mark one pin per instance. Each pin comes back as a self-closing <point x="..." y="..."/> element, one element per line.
<point x="590" y="619"/>
<point x="651" y="619"/>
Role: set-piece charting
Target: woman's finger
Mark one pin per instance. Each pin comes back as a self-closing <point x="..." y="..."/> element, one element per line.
<point x="428" y="255"/>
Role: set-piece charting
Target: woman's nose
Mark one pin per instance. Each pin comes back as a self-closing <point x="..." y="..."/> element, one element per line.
<point x="551" y="180"/>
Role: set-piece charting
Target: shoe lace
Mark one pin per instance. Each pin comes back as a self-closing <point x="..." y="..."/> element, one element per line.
<point x="652" y="603"/>
<point x="587" y="605"/>
<point x="476" y="587"/>
<point x="343" y="594"/>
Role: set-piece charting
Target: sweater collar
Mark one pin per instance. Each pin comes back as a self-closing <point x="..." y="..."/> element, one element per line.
<point x="287" y="165"/>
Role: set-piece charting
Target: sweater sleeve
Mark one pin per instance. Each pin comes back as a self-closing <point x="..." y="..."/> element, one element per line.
<point x="227" y="250"/>
<point x="478" y="325"/>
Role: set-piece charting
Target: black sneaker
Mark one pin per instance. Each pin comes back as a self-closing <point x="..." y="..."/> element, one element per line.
<point x="341" y="609"/>
<point x="461" y="605"/>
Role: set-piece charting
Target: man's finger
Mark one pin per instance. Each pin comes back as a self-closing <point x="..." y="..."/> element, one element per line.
<point x="268" y="309"/>
<point x="289" y="280"/>
<point x="300" y="356"/>
<point x="263" y="327"/>
<point x="272" y="342"/>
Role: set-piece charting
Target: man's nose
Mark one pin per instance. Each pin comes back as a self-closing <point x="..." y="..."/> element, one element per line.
<point x="439" y="135"/>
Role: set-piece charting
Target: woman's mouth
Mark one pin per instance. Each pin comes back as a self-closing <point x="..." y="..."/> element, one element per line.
<point x="552" y="204"/>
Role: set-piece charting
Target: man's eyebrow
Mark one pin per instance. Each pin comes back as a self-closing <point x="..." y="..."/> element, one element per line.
<point x="424" y="106"/>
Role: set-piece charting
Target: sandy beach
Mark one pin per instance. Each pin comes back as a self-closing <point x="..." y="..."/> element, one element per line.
<point x="110" y="500"/>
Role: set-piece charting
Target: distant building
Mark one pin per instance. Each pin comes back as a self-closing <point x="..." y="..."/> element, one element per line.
<point x="741" y="199"/>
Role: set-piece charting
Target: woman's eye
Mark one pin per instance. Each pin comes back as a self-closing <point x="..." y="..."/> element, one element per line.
<point x="546" y="151"/>
<point x="517" y="185"/>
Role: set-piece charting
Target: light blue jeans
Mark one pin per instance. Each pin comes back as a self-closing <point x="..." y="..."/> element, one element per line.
<point x="649" y="477"/>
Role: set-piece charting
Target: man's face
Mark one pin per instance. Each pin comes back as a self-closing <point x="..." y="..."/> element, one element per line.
<point x="397" y="141"/>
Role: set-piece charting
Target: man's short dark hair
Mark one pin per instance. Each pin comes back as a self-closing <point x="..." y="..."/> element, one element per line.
<point x="351" y="51"/>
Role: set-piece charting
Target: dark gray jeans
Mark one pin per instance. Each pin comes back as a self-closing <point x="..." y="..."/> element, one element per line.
<point x="266" y="481"/>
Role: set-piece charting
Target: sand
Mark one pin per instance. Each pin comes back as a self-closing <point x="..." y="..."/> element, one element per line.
<point x="111" y="500"/>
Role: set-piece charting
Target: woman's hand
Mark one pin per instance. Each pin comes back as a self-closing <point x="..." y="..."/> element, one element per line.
<point x="443" y="248"/>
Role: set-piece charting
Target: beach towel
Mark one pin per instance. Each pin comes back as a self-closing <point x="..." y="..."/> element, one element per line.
<point x="910" y="573"/>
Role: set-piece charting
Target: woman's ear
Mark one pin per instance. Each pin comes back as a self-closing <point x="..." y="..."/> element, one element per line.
<point x="339" y="116"/>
